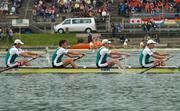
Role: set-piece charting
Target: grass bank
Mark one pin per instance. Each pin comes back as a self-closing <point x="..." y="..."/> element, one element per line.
<point x="36" y="40"/>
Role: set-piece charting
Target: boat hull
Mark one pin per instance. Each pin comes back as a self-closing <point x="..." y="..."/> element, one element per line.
<point x="36" y="70"/>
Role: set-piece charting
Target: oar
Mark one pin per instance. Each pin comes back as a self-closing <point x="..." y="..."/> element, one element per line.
<point x="153" y="66"/>
<point x="78" y="57"/>
<point x="47" y="56"/>
<point x="17" y="65"/>
<point x="124" y="69"/>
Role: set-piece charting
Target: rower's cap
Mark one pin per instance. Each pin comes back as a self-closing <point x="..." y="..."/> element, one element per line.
<point x="151" y="41"/>
<point x="18" y="41"/>
<point x="104" y="41"/>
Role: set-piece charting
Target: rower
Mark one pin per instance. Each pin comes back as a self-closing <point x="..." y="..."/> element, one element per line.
<point x="16" y="51"/>
<point x="125" y="44"/>
<point x="57" y="58"/>
<point x="148" y="52"/>
<point x="104" y="52"/>
<point x="92" y="44"/>
<point x="141" y="44"/>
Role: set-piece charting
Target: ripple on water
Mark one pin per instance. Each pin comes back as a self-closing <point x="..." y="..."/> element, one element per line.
<point x="90" y="92"/>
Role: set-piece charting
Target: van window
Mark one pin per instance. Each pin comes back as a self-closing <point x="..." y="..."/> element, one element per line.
<point x="81" y="21"/>
<point x="67" y="22"/>
<point x="76" y="21"/>
<point x="86" y="21"/>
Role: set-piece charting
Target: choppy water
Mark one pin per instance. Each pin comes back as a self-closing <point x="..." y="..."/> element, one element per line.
<point x="90" y="92"/>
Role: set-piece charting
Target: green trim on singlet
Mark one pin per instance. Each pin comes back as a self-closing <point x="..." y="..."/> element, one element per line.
<point x="12" y="59"/>
<point x="98" y="56"/>
<point x="55" y="55"/>
<point x="147" y="57"/>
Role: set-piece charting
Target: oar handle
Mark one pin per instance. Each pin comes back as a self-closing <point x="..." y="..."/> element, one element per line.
<point x="168" y="58"/>
<point x="78" y="57"/>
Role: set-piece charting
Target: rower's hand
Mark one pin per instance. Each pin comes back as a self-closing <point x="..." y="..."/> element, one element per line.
<point x="20" y="63"/>
<point x="167" y="54"/>
<point x="127" y="55"/>
<point x="36" y="56"/>
<point x="82" y="55"/>
<point x="167" y="58"/>
<point x="157" y="63"/>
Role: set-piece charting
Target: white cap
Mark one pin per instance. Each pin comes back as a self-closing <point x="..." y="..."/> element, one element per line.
<point x="18" y="41"/>
<point x="151" y="41"/>
<point x="104" y="41"/>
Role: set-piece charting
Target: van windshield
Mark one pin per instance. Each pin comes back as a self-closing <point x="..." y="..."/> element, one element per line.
<point x="67" y="22"/>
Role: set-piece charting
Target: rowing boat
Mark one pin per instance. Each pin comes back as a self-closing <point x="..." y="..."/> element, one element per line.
<point x="43" y="70"/>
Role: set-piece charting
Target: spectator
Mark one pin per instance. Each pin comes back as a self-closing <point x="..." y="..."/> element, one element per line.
<point x="1" y="33"/>
<point x="122" y="39"/>
<point x="90" y="37"/>
<point x="6" y="9"/>
<point x="66" y="7"/>
<point x="125" y="44"/>
<point x="148" y="25"/>
<point x="153" y="25"/>
<point x="53" y="18"/>
<point x="177" y="8"/>
<point x="61" y="5"/>
<point x="10" y="34"/>
<point x="146" y="38"/>
<point x="110" y="7"/>
<point x="94" y="4"/>
<point x="121" y="9"/>
<point x="157" y="39"/>
<point x="34" y="14"/>
<point x="126" y="14"/>
<point x="13" y="10"/>
<point x="119" y="27"/>
<point x="144" y="27"/>
<point x="113" y="27"/>
<point x="104" y="14"/>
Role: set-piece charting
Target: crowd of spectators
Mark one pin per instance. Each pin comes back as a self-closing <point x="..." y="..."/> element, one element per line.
<point x="6" y="32"/>
<point x="78" y="8"/>
<point x="147" y="6"/>
<point x="147" y="26"/>
<point x="9" y="7"/>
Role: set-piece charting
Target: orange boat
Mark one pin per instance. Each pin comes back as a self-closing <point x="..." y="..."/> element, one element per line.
<point x="86" y="45"/>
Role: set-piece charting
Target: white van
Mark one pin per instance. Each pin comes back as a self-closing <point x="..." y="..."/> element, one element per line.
<point x="76" y="25"/>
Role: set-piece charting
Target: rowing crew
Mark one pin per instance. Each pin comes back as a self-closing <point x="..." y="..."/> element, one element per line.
<point x="102" y="61"/>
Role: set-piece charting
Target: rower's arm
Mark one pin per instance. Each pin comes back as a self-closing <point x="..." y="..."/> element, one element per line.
<point x="114" y="54"/>
<point x="156" y="56"/>
<point x="29" y="54"/>
<point x="74" y="54"/>
<point x="161" y="54"/>
<point x="118" y="53"/>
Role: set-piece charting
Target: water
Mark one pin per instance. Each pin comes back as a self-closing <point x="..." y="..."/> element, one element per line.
<point x="90" y="92"/>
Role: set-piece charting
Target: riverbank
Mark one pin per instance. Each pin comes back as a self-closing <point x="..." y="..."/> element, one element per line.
<point x="39" y="40"/>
